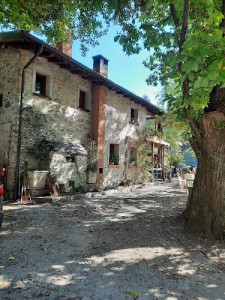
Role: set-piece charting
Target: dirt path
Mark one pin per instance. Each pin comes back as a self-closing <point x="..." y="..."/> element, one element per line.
<point x="103" y="246"/>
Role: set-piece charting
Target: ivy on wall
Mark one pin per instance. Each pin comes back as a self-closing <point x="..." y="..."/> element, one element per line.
<point x="38" y="137"/>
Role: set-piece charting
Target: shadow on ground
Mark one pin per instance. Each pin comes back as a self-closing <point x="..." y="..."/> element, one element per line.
<point x="103" y="246"/>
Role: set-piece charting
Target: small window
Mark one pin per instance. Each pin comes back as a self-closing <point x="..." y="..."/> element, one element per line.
<point x="82" y="100"/>
<point x="159" y="127"/>
<point x="40" y="84"/>
<point x="69" y="159"/>
<point x="134" y="116"/>
<point x="114" y="154"/>
<point x="133" y="156"/>
<point x="1" y="100"/>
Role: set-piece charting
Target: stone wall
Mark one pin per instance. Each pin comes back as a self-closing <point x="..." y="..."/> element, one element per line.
<point x="65" y="123"/>
<point x="120" y="130"/>
<point x="57" y="118"/>
<point x="10" y="85"/>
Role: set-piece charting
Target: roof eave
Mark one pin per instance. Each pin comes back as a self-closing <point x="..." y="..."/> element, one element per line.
<point x="14" y="37"/>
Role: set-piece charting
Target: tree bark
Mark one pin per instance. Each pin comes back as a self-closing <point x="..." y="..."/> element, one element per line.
<point x="205" y="211"/>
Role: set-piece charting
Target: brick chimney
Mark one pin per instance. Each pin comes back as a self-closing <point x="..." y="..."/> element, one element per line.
<point x="100" y="65"/>
<point x="65" y="48"/>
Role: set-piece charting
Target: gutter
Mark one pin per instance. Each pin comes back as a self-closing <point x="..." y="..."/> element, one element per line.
<point x="17" y="175"/>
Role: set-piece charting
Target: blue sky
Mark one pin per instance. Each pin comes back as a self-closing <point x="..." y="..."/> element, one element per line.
<point x="127" y="71"/>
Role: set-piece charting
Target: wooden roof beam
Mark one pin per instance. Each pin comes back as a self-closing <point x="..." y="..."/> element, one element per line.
<point x="88" y="77"/>
<point x="77" y="71"/>
<point x="55" y="59"/>
<point x="64" y="66"/>
<point x="120" y="92"/>
<point x="46" y="54"/>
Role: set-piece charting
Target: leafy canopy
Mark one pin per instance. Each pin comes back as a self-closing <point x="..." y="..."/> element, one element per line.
<point x="195" y="52"/>
<point x="58" y="20"/>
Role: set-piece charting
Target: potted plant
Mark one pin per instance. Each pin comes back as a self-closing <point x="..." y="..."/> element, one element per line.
<point x="92" y="167"/>
<point x="133" y="161"/>
<point x="92" y="172"/>
<point x="111" y="159"/>
<point x="116" y="159"/>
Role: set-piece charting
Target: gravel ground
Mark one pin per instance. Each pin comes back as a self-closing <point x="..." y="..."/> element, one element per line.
<point x="107" y="245"/>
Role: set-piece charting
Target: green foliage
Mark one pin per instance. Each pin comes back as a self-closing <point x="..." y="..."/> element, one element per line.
<point x="217" y="123"/>
<point x="194" y="53"/>
<point x="151" y="128"/>
<point x="41" y="148"/>
<point x="176" y="134"/>
<point x="134" y="294"/>
<point x="92" y="167"/>
<point x="58" y="20"/>
<point x="114" y="159"/>
<point x="80" y="189"/>
<point x="38" y="138"/>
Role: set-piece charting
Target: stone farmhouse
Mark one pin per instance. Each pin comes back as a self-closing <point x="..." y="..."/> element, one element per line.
<point x="62" y="118"/>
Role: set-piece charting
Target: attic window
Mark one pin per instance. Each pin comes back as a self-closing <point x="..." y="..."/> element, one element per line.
<point x="134" y="116"/>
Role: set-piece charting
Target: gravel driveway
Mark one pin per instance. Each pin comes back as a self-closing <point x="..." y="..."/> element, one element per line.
<point x="120" y="244"/>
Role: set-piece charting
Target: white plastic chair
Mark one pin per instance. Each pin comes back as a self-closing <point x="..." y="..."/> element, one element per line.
<point x="189" y="180"/>
<point x="182" y="183"/>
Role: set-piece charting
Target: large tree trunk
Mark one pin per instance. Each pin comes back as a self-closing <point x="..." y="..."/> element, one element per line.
<point x="205" y="211"/>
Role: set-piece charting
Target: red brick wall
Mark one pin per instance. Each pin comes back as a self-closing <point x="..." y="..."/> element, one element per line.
<point x="98" y="123"/>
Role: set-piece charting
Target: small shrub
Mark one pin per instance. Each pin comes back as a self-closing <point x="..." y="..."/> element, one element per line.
<point x="92" y="167"/>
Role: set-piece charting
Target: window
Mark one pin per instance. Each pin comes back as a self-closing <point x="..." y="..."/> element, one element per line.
<point x="40" y="84"/>
<point x="114" y="154"/>
<point x="133" y="156"/>
<point x="159" y="127"/>
<point x="69" y="159"/>
<point x="134" y="116"/>
<point x="84" y="98"/>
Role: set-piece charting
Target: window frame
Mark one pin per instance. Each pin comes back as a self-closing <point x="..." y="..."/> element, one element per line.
<point x="48" y="82"/>
<point x="134" y="116"/>
<point x="114" y="156"/>
<point x="43" y="78"/>
<point x="87" y="101"/>
<point x="82" y="100"/>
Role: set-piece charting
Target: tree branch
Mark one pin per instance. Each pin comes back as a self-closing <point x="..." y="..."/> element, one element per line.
<point x="222" y="25"/>
<point x="175" y="19"/>
<point x="195" y="128"/>
<point x="185" y="23"/>
<point x="174" y="15"/>
<point x="193" y="124"/>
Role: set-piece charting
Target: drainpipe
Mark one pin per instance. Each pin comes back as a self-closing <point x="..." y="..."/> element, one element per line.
<point x="17" y="177"/>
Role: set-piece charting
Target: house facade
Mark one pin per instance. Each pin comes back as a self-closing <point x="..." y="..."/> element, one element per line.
<point x="58" y="116"/>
